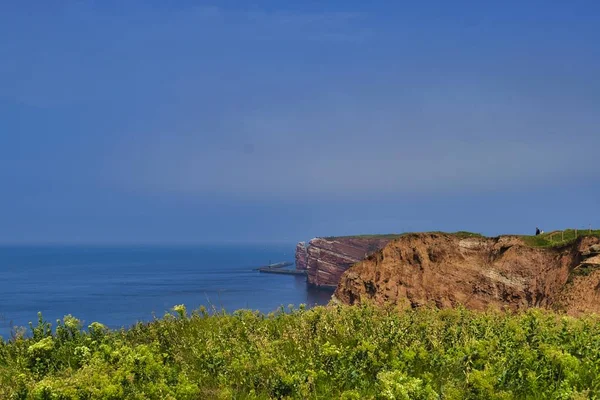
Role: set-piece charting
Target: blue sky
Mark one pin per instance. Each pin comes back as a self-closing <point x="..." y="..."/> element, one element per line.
<point x="181" y="122"/>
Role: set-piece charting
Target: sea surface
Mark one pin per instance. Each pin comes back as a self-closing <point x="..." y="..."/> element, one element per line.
<point x="118" y="286"/>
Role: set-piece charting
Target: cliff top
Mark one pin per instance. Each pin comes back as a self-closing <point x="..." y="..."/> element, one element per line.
<point x="546" y="240"/>
<point x="368" y="236"/>
<point x="558" y="238"/>
<point x="391" y="236"/>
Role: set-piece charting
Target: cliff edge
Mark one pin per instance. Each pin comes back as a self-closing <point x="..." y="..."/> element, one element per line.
<point x="448" y="269"/>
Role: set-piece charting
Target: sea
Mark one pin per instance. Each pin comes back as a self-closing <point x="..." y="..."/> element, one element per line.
<point x="121" y="285"/>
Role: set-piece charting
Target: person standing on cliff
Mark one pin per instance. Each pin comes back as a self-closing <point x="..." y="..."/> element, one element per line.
<point x="537" y="231"/>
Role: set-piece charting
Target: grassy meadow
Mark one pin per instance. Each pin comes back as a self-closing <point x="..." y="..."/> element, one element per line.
<point x="362" y="352"/>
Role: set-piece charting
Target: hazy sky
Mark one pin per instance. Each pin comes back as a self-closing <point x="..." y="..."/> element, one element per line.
<point x="189" y="121"/>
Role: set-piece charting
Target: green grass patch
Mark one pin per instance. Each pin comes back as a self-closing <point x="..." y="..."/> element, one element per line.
<point x="361" y="352"/>
<point x="389" y="236"/>
<point x="585" y="270"/>
<point x="558" y="238"/>
<point x="464" y="234"/>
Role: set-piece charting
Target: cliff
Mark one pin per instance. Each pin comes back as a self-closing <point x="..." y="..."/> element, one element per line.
<point x="447" y="270"/>
<point x="326" y="259"/>
<point x="301" y="256"/>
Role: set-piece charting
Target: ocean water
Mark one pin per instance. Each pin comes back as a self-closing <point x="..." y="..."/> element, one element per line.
<point x="118" y="286"/>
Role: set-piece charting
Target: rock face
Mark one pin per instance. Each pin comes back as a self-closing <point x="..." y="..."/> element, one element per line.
<point x="328" y="258"/>
<point x="301" y="256"/>
<point x="447" y="270"/>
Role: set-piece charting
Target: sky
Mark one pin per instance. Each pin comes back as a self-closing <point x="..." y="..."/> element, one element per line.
<point x="269" y="121"/>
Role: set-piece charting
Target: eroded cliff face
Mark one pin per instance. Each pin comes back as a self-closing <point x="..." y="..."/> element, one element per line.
<point x="447" y="270"/>
<point x="328" y="258"/>
<point x="301" y="256"/>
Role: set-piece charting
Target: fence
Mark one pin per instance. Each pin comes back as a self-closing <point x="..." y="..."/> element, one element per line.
<point x="569" y="234"/>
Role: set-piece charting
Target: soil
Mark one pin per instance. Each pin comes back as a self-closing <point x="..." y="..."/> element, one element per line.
<point x="446" y="270"/>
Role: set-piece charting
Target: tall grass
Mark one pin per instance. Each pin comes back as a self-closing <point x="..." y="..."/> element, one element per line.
<point x="362" y="352"/>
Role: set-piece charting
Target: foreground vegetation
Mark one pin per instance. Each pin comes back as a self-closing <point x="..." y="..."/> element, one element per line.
<point x="325" y="352"/>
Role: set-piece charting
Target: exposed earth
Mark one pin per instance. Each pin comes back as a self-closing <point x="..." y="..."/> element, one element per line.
<point x="448" y="270"/>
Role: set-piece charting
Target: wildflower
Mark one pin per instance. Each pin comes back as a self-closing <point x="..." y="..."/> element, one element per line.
<point x="180" y="310"/>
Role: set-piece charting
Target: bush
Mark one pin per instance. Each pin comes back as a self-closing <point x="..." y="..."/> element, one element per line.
<point x="325" y="352"/>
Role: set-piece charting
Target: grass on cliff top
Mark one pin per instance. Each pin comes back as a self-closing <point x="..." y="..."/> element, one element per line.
<point x="546" y="240"/>
<point x="557" y="238"/>
<point x="336" y="352"/>
<point x="391" y="236"/>
<point x="463" y="234"/>
<point x="369" y="236"/>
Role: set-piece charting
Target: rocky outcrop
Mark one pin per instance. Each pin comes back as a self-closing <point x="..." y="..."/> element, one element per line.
<point x="328" y="258"/>
<point x="301" y="256"/>
<point x="447" y="270"/>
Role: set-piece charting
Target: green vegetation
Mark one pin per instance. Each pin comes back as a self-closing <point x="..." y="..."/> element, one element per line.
<point x="465" y="234"/>
<point x="558" y="238"/>
<point x="361" y="352"/>
<point x="585" y="270"/>
<point x="461" y="234"/>
<point x="390" y="236"/>
<point x="545" y="240"/>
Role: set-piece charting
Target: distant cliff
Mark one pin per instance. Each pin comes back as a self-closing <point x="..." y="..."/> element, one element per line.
<point x="478" y="272"/>
<point x="301" y="256"/>
<point x="326" y="259"/>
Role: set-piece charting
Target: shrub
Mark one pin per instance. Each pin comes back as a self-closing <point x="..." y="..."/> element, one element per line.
<point x="324" y="352"/>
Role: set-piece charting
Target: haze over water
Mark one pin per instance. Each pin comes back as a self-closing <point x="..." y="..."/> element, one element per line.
<point x="120" y="285"/>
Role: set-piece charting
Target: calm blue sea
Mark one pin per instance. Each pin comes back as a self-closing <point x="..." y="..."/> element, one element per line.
<point x="121" y="285"/>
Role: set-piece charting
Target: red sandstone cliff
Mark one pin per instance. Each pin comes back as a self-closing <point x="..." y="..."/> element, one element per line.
<point x="301" y="256"/>
<point x="328" y="258"/>
<point x="447" y="270"/>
